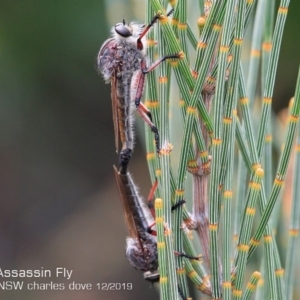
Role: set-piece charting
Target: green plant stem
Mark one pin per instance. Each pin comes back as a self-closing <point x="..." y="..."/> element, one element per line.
<point x="195" y="266"/>
<point x="271" y="73"/>
<point x="161" y="248"/>
<point x="251" y="286"/>
<point x="255" y="51"/>
<point x="152" y="103"/>
<point x="270" y="245"/>
<point x="282" y="167"/>
<point x="216" y="150"/>
<point x="294" y="226"/>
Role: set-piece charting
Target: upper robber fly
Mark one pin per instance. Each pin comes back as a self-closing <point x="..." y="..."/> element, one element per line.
<point x="122" y="61"/>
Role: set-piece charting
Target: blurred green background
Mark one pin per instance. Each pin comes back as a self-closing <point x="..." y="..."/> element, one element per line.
<point x="59" y="205"/>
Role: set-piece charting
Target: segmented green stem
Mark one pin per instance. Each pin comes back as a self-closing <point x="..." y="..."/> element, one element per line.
<point x="182" y="27"/>
<point x="227" y="225"/>
<point x="271" y="73"/>
<point x="240" y="195"/>
<point x="161" y="249"/>
<point x="251" y="286"/>
<point x="282" y="167"/>
<point x="214" y="202"/>
<point x="290" y="264"/>
<point x="270" y="245"/>
<point x="196" y="264"/>
<point x="151" y="101"/>
<point x="163" y="90"/>
<point x="255" y="51"/>
<point x="245" y="232"/>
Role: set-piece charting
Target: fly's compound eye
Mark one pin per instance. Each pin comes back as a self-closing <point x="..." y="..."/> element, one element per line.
<point x="123" y="30"/>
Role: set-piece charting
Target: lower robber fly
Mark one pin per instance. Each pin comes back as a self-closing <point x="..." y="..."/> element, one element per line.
<point x="141" y="246"/>
<point x="122" y="61"/>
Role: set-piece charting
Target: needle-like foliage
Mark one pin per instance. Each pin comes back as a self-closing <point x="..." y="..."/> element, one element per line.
<point x="225" y="149"/>
<point x="218" y="192"/>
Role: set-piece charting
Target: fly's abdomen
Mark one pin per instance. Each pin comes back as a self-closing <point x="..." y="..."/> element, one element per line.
<point x="135" y="203"/>
<point x="124" y="111"/>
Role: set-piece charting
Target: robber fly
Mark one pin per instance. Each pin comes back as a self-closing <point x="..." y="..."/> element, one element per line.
<point x="141" y="246"/>
<point x="122" y="62"/>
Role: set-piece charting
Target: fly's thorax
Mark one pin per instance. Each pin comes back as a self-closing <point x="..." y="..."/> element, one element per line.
<point x="119" y="58"/>
<point x="129" y="58"/>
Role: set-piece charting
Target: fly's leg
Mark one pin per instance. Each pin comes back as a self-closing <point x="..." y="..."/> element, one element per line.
<point x="140" y="45"/>
<point x="180" y="292"/>
<point x="143" y="110"/>
<point x="147" y="117"/>
<point x="140" y="107"/>
<point x="190" y="257"/>
<point x="150" y="198"/>
<point x="176" y="205"/>
<point x="158" y="62"/>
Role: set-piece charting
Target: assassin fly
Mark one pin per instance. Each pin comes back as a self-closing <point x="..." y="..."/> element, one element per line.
<point x="122" y="62"/>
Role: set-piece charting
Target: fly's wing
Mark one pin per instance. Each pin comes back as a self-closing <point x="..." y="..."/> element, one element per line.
<point x="129" y="219"/>
<point x="106" y="64"/>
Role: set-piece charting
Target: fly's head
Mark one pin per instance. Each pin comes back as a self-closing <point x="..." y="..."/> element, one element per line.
<point x="142" y="259"/>
<point x="123" y="30"/>
<point x="129" y="33"/>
